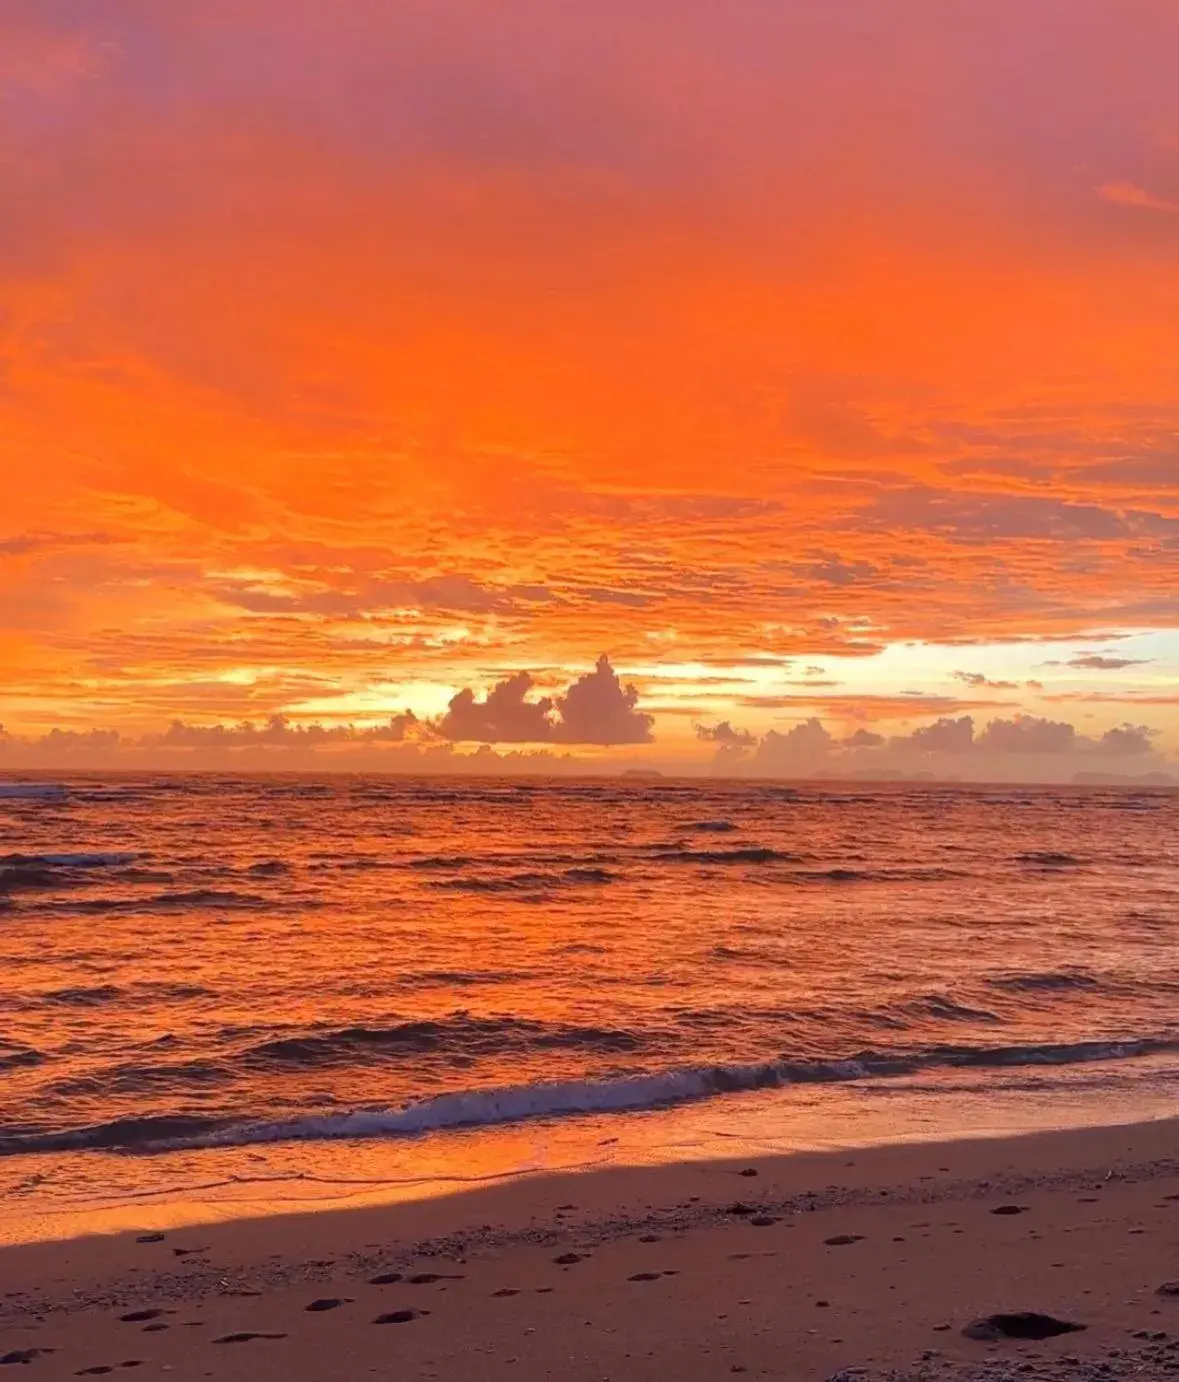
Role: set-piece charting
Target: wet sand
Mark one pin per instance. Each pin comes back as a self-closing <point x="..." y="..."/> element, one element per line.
<point x="805" y="1268"/>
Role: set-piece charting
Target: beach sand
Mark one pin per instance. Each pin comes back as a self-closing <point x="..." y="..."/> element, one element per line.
<point x="803" y="1267"/>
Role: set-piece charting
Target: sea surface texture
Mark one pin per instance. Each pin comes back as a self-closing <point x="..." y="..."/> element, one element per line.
<point x="198" y="961"/>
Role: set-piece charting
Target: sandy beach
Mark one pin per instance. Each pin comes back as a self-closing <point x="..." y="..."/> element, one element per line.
<point x="868" y="1264"/>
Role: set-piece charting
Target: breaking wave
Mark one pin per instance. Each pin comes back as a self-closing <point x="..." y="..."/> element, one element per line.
<point x="518" y="1103"/>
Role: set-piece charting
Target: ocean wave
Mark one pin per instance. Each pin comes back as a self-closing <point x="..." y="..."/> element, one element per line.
<point x="752" y="855"/>
<point x="19" y="1057"/>
<point x="718" y="827"/>
<point x="197" y="898"/>
<point x="1049" y="859"/>
<point x="96" y="859"/>
<point x="843" y="875"/>
<point x="81" y="997"/>
<point x="942" y="1008"/>
<point x="519" y="1103"/>
<point x="1049" y="981"/>
<point x="33" y="791"/>
<point x="459" y="1035"/>
<point x="533" y="882"/>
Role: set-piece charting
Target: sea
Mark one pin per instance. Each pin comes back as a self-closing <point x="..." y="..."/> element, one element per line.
<point x="228" y="995"/>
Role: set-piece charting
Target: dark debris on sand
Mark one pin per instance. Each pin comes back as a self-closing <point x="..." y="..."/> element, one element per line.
<point x="1152" y="1362"/>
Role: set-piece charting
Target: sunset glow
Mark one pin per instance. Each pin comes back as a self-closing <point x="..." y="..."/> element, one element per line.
<point x="811" y="362"/>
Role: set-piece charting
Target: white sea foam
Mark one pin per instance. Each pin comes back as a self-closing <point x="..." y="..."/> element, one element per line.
<point x="517" y="1103"/>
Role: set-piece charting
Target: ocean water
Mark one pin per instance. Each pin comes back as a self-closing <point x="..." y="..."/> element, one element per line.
<point x="193" y="966"/>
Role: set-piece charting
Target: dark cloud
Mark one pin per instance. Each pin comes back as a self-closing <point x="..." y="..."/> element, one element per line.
<point x="278" y="732"/>
<point x="596" y="709"/>
<point x="1023" y="748"/>
<point x="833" y="570"/>
<point x="1027" y="735"/>
<point x="27" y="544"/>
<point x="799" y="750"/>
<point x="946" y="735"/>
<point x="724" y="733"/>
<point x="600" y="595"/>
<point x="353" y="598"/>
<point x="970" y="516"/>
<point x="864" y="739"/>
<point x="503" y="716"/>
<point x="977" y="679"/>
<point x="1097" y="662"/>
<point x="1127" y="741"/>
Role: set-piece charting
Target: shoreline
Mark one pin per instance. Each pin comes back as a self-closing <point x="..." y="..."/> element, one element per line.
<point x="59" y="1196"/>
<point x="1094" y="1240"/>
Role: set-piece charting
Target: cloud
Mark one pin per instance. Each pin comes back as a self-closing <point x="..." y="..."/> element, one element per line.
<point x="503" y="716"/>
<point x="977" y="679"/>
<point x="351" y="595"/>
<point x="1127" y="741"/>
<point x="864" y="739"/>
<point x="1023" y="748"/>
<point x="724" y="733"/>
<point x="278" y="732"/>
<point x="1027" y="735"/>
<point x="595" y="709"/>
<point x="1098" y="662"/>
<point x="799" y="750"/>
<point x="27" y="544"/>
<point x="551" y="357"/>
<point x="946" y="735"/>
<point x="978" y="516"/>
<point x="1130" y="194"/>
<point x="598" y="709"/>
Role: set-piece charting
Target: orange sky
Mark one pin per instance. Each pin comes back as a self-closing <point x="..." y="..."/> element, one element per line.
<point x="797" y="357"/>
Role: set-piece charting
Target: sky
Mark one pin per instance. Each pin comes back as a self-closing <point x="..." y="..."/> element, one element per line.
<point x="757" y="386"/>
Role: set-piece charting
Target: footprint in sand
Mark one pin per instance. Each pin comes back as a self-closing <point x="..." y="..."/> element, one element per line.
<point x="138" y="1316"/>
<point x="567" y="1259"/>
<point x="504" y="1292"/>
<point x="644" y="1276"/>
<point x="400" y="1316"/>
<point x="327" y="1303"/>
<point x="23" y="1355"/>
<point x="843" y="1240"/>
<point x="386" y="1279"/>
<point x="155" y="1328"/>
